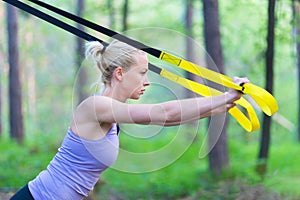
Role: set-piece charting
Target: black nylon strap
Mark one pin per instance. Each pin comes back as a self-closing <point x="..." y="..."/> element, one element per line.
<point x="65" y="26"/>
<point x="101" y="29"/>
<point x="54" y="21"/>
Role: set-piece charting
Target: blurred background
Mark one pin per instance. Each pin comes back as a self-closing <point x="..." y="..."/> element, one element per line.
<point x="44" y="76"/>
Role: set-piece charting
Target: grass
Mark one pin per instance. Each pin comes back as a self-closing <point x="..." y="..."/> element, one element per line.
<point x="188" y="176"/>
<point x="19" y="164"/>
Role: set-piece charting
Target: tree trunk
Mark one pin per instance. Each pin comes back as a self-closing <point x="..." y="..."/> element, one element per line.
<point x="125" y="15"/>
<point x="1" y="95"/>
<point x="190" y="51"/>
<point x="189" y="30"/>
<point x="296" y="33"/>
<point x="1" y="74"/>
<point x="111" y="10"/>
<point x="218" y="156"/>
<point x="265" y="135"/>
<point x="15" y="93"/>
<point x="2" y="65"/>
<point x="30" y="78"/>
<point x="82" y="74"/>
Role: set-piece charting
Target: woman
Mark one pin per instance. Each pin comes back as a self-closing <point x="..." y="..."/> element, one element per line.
<point x="91" y="144"/>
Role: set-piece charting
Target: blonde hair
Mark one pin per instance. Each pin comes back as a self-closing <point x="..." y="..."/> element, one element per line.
<point x="107" y="59"/>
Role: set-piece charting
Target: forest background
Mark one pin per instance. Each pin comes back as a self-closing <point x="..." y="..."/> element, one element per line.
<point x="49" y="76"/>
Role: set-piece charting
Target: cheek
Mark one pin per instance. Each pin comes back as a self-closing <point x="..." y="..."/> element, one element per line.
<point x="132" y="83"/>
<point x="136" y="80"/>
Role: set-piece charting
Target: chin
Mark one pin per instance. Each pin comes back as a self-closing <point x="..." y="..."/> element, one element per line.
<point x="135" y="97"/>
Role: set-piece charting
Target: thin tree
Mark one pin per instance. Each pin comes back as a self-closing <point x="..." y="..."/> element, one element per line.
<point x="111" y="13"/>
<point x="15" y="92"/>
<point x="125" y="15"/>
<point x="1" y="87"/>
<point x="190" y="51"/>
<point x="79" y="55"/>
<point x="265" y="135"/>
<point x="1" y="101"/>
<point x="218" y="156"/>
<point x="189" y="29"/>
<point x="296" y="33"/>
<point x="1" y="74"/>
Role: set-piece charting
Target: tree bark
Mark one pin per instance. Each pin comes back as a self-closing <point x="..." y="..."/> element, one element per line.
<point x="15" y="92"/>
<point x="125" y="15"/>
<point x="1" y="95"/>
<point x="111" y="10"/>
<point x="1" y="75"/>
<point x="190" y="51"/>
<point x="296" y="34"/>
<point x="218" y="156"/>
<point x="265" y="135"/>
<point x="79" y="55"/>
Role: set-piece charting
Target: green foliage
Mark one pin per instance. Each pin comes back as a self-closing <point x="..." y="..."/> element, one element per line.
<point x="189" y="176"/>
<point x="19" y="164"/>
<point x="186" y="176"/>
<point x="47" y="55"/>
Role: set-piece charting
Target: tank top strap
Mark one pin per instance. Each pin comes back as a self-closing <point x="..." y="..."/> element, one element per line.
<point x="118" y="129"/>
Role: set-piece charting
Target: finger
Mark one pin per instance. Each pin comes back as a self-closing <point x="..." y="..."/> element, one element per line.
<point x="240" y="81"/>
<point x="230" y="105"/>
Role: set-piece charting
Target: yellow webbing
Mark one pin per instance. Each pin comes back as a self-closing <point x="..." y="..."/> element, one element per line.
<point x="263" y="98"/>
<point x="249" y="125"/>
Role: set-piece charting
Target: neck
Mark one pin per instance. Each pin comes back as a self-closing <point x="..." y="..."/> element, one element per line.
<point x="114" y="93"/>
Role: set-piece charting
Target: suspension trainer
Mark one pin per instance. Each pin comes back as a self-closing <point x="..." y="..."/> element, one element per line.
<point x="249" y="122"/>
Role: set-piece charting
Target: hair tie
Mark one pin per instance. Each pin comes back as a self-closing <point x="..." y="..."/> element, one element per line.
<point x="102" y="51"/>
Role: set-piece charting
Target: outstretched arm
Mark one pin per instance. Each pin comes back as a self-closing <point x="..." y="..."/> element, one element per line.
<point x="107" y="110"/>
<point x="219" y="110"/>
<point x="216" y="111"/>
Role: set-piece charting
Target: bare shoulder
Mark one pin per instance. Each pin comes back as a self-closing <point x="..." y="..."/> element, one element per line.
<point x="101" y="109"/>
<point x="97" y="108"/>
<point x="87" y="118"/>
<point x="98" y="103"/>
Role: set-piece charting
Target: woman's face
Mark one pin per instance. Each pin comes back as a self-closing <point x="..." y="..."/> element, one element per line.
<point x="136" y="79"/>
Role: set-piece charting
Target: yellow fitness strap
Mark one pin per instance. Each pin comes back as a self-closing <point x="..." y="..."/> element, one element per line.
<point x="249" y="125"/>
<point x="263" y="98"/>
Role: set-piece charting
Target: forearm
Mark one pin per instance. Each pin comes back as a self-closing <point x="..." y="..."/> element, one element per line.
<point x="216" y="111"/>
<point x="183" y="111"/>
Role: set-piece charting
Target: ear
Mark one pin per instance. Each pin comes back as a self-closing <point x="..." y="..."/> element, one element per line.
<point x="118" y="73"/>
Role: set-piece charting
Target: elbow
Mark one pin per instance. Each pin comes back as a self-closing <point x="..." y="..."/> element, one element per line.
<point x="172" y="116"/>
<point x="163" y="114"/>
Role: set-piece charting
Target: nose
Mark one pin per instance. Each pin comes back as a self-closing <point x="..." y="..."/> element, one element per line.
<point x="146" y="81"/>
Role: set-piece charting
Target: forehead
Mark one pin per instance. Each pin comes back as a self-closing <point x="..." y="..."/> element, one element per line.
<point x="141" y="60"/>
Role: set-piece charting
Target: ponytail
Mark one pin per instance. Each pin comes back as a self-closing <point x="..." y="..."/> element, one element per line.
<point x="108" y="58"/>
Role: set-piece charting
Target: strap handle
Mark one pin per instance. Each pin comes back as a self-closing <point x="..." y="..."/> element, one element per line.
<point x="263" y="98"/>
<point x="249" y="124"/>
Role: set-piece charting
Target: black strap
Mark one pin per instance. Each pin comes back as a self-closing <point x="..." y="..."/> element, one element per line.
<point x="65" y="26"/>
<point x="54" y="21"/>
<point x="101" y="29"/>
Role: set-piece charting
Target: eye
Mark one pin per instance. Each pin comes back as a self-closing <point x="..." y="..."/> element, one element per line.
<point x="144" y="72"/>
